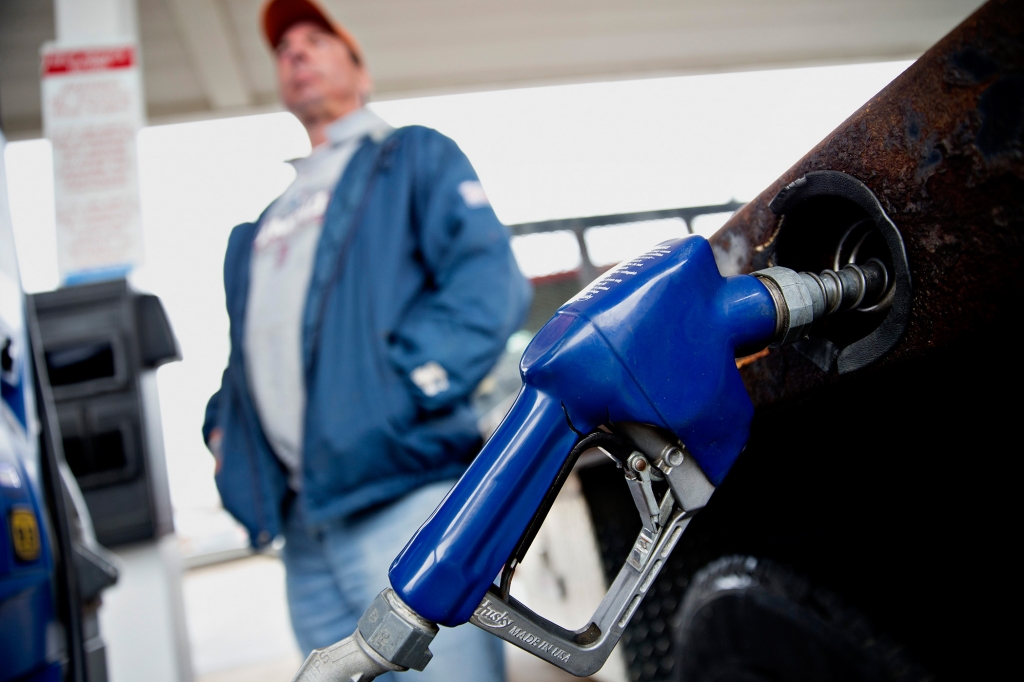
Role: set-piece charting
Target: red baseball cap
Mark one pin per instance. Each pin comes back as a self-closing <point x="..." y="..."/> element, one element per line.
<point x="280" y="15"/>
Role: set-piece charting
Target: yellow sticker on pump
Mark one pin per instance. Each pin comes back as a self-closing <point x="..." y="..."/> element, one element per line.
<point x="25" y="534"/>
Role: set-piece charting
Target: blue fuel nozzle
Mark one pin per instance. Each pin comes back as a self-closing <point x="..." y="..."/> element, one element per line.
<point x="647" y="350"/>
<point x="652" y="341"/>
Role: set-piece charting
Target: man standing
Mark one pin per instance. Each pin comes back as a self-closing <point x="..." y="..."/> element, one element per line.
<point x="366" y="303"/>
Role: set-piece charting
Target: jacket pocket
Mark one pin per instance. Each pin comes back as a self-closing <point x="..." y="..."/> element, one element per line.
<point x="404" y="421"/>
<point x="238" y="479"/>
<point x="398" y="404"/>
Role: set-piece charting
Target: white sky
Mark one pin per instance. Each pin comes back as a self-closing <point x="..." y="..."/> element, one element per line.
<point x="541" y="153"/>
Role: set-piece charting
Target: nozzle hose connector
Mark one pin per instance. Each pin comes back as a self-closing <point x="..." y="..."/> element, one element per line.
<point x="390" y="637"/>
<point x="801" y="298"/>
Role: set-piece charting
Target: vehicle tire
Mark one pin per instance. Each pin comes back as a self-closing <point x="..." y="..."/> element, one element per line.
<point x="751" y="620"/>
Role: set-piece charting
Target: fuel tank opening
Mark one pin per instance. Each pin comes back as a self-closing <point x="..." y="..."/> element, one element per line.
<point x="830" y="221"/>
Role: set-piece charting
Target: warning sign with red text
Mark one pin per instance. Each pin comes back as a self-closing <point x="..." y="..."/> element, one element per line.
<point x="92" y="111"/>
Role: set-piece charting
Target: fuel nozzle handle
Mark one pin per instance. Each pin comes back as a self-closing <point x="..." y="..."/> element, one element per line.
<point x="802" y="298"/>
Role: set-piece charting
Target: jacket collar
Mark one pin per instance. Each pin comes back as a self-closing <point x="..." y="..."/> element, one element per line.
<point x="348" y="129"/>
<point x="355" y="125"/>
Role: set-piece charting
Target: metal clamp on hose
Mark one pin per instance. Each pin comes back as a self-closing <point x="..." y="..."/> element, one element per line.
<point x="390" y="637"/>
<point x="396" y="632"/>
<point x="802" y="298"/>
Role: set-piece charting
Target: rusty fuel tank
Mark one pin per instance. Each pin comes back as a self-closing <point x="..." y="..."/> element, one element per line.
<point x="942" y="148"/>
<point x="885" y="489"/>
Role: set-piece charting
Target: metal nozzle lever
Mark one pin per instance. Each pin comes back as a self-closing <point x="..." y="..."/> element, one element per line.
<point x="644" y="452"/>
<point x="391" y="637"/>
<point x="801" y="298"/>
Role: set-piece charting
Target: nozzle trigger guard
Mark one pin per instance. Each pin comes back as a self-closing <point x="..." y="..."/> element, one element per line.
<point x="611" y="444"/>
<point x="583" y="652"/>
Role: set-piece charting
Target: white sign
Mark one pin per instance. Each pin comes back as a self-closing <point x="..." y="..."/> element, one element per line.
<point x="92" y="111"/>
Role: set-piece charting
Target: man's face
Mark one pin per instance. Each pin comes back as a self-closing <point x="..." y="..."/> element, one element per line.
<point x="317" y="74"/>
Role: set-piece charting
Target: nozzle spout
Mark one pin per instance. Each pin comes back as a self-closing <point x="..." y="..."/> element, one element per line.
<point x="802" y="298"/>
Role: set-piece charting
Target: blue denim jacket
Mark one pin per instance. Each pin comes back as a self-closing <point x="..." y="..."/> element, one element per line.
<point x="412" y="267"/>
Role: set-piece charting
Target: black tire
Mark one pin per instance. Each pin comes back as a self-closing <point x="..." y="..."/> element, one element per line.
<point x="750" y="620"/>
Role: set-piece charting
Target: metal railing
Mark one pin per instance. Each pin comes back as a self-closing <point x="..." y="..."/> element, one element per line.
<point x="578" y="226"/>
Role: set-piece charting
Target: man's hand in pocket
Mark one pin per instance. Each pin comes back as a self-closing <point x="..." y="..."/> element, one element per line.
<point x="214" y="444"/>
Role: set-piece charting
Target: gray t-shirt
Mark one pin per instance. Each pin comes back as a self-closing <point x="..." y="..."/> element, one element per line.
<point x="282" y="264"/>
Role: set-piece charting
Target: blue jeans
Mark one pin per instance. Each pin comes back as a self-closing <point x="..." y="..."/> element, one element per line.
<point x="335" y="570"/>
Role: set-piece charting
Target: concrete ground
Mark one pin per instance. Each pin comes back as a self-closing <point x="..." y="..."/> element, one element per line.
<point x="239" y="629"/>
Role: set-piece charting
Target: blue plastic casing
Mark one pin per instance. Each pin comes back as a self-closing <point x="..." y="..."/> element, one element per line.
<point x="653" y="340"/>
<point x="28" y="618"/>
<point x="27" y="609"/>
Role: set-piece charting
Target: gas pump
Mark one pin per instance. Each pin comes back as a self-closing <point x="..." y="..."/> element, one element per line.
<point x="29" y="624"/>
<point x="52" y="570"/>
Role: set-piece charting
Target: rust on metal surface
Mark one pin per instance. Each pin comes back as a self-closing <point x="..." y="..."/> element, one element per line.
<point x="942" y="147"/>
<point x="747" y="359"/>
